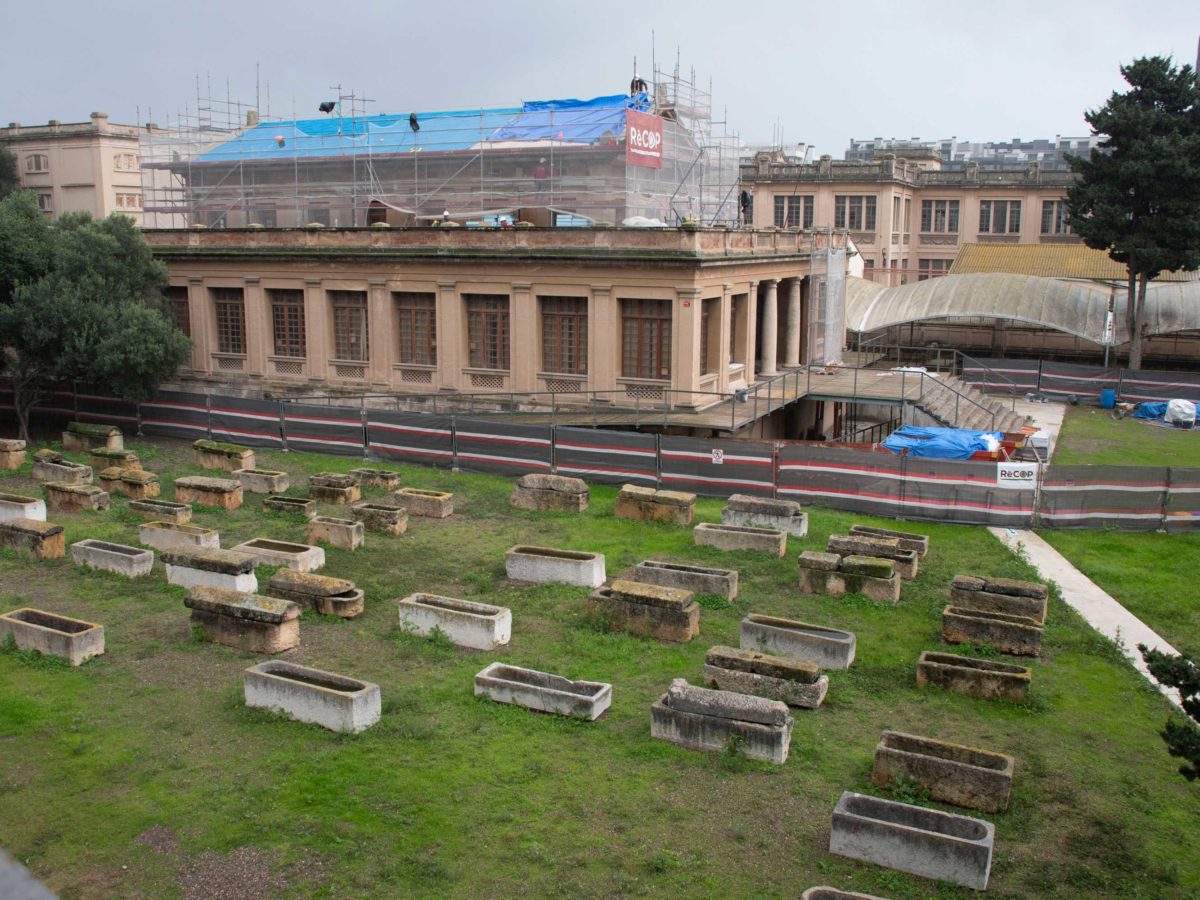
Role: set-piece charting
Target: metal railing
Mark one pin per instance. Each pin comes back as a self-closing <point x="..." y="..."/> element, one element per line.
<point x="941" y="359"/>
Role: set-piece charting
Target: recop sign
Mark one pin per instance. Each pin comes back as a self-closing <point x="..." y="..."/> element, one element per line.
<point x="1021" y="476"/>
<point x="643" y="139"/>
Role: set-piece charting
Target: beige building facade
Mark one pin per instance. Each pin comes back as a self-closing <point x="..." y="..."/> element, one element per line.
<point x="907" y="217"/>
<point x="88" y="167"/>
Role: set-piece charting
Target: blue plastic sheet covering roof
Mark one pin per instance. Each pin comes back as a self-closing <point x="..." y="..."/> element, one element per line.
<point x="569" y="121"/>
<point x="940" y="443"/>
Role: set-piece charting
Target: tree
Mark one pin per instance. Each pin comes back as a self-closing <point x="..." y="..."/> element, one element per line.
<point x="1182" y="736"/>
<point x="24" y="242"/>
<point x="10" y="178"/>
<point x="94" y="312"/>
<point x="1138" y="194"/>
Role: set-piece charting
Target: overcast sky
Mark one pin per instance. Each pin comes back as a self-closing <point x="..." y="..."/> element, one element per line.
<point x="815" y="72"/>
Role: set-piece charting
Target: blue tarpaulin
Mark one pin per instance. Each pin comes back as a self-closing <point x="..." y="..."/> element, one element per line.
<point x="941" y="443"/>
<point x="1151" y="410"/>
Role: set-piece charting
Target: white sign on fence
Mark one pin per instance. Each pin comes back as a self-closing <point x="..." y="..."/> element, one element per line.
<point x="1022" y="476"/>
<point x="718" y="456"/>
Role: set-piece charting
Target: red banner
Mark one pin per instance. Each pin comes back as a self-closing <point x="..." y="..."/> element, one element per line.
<point x="643" y="139"/>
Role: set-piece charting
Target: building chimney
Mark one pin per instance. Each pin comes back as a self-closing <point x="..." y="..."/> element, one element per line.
<point x="251" y="118"/>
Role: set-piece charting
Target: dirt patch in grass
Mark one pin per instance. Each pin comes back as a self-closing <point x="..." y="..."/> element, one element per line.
<point x="158" y="838"/>
<point x="246" y="873"/>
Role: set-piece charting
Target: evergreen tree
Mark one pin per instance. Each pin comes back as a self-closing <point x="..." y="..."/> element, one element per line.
<point x="10" y="178"/>
<point x="1138" y="196"/>
<point x="1181" y="735"/>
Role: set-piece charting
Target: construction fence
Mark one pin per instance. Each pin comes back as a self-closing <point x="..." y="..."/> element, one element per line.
<point x="1018" y="495"/>
<point x="1059" y="381"/>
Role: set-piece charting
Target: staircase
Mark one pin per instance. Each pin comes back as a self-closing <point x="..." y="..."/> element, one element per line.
<point x="968" y="408"/>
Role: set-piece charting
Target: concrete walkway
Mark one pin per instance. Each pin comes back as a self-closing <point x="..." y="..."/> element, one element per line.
<point x="1082" y="594"/>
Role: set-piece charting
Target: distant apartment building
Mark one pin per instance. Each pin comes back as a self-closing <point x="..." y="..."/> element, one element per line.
<point x="79" y="166"/>
<point x="1051" y="155"/>
<point x="907" y="215"/>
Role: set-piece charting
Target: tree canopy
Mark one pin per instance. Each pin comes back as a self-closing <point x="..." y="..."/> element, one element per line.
<point x="10" y="177"/>
<point x="1138" y="194"/>
<point x="1182" y="736"/>
<point x="83" y="301"/>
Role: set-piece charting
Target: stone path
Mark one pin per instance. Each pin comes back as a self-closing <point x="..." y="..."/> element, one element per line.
<point x="1082" y="594"/>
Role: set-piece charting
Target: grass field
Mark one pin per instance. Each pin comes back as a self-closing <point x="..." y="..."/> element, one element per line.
<point x="141" y="774"/>
<point x="1091" y="436"/>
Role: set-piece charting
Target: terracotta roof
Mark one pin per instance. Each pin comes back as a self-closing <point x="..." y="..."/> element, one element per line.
<point x="1047" y="261"/>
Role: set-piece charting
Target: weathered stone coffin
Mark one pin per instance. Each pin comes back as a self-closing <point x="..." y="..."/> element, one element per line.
<point x="1002" y="595"/>
<point x="17" y="506"/>
<point x="227" y="569"/>
<point x="697" y="579"/>
<point x="550" y="492"/>
<point x="329" y="487"/>
<point x="543" y="691"/>
<point x="301" y="557"/>
<point x="166" y="511"/>
<point x="53" y="635"/>
<point x="382" y="517"/>
<point x="83" y="436"/>
<point x="645" y="504"/>
<point x="523" y="563"/>
<point x="925" y="842"/>
<point x="245" y="621"/>
<point x="301" y="505"/>
<point x="662" y="613"/>
<point x="833" y="575"/>
<point x="429" y="504"/>
<point x="905" y="561"/>
<point x="345" y="534"/>
<point x="262" y="481"/>
<point x="328" y="596"/>
<point x="133" y="483"/>
<point x="63" y="497"/>
<point x="218" y="455"/>
<point x="741" y="537"/>
<point x="223" y="492"/>
<point x="951" y="773"/>
<point x="132" y="562"/>
<point x="828" y="648"/>
<point x="782" y="515"/>
<point x="311" y="695"/>
<point x="169" y="536"/>
<point x="104" y="458"/>
<point x="12" y="453"/>
<point x="918" y="543"/>
<point x="43" y="539"/>
<point x="479" y="626"/>
<point x="795" y="682"/>
<point x="703" y="719"/>
<point x="1018" y="635"/>
<point x="49" y="465"/>
<point x="376" y="478"/>
<point x="982" y="678"/>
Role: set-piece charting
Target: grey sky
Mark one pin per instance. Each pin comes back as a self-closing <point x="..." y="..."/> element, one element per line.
<point x="823" y="72"/>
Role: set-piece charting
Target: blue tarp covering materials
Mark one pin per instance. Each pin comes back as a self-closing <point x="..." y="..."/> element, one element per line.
<point x="941" y="443"/>
<point x="1150" y="410"/>
<point x="566" y="121"/>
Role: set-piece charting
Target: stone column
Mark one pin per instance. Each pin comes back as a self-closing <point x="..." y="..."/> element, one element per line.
<point x="258" y="328"/>
<point x="524" y="339"/>
<point x="685" y="366"/>
<point x="381" y="343"/>
<point x="201" y="318"/>
<point x="317" y="344"/>
<point x="791" y="353"/>
<point x="452" y="336"/>
<point x="770" y="328"/>
<point x="604" y="340"/>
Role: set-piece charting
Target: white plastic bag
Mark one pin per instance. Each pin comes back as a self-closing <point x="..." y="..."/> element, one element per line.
<point x="1181" y="413"/>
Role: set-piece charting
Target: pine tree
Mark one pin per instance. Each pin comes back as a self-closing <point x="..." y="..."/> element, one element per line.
<point x="1181" y="735"/>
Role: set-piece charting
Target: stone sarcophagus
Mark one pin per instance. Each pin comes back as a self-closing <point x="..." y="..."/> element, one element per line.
<point x="63" y="497"/>
<point x="662" y="613"/>
<point x="578" y="567"/>
<point x="908" y="540"/>
<point x="50" y="465"/>
<point x="829" y="648"/>
<point x="166" y="511"/>
<point x="1002" y="595"/>
<point x="782" y="515"/>
<point x="376" y="478"/>
<point x="795" y="682"/>
<point x="386" y="518"/>
<point x="248" y="622"/>
<point x="645" y="504"/>
<point x="426" y="503"/>
<point x="556" y="493"/>
<point x="925" y="842"/>
<point x="219" y="455"/>
<point x="211" y="568"/>
<point x="1018" y="635"/>
<point x="169" y="536"/>
<point x="983" y="678"/>
<point x="328" y="596"/>
<point x="18" y="506"/>
<point x="834" y="575"/>
<point x="298" y="505"/>
<point x="465" y="623"/>
<point x="136" y="484"/>
<point x="53" y="635"/>
<point x="697" y="579"/>
<point x="83" y="436"/>
<point x="312" y="695"/>
<point x="43" y="540"/>
<point x="906" y="561"/>
<point x="543" y="691"/>
<point x="301" y="557"/>
<point x="703" y="719"/>
<point x="345" y="534"/>
<point x="132" y="562"/>
<point x="330" y="487"/>
<point x="12" y="453"/>
<point x="104" y="458"/>
<point x="951" y="773"/>
<point x="223" y="492"/>
<point x="262" y="481"/>
<point x="736" y="538"/>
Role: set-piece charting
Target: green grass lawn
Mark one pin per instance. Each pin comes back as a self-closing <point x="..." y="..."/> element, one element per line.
<point x="1090" y="436"/>
<point x="141" y="774"/>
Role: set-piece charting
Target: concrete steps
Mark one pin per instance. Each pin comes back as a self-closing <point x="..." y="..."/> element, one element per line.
<point x="968" y="408"/>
